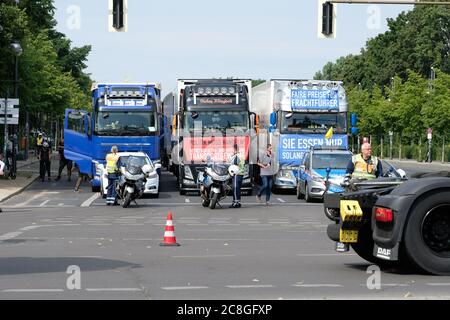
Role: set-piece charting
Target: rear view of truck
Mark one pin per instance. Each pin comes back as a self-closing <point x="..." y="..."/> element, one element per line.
<point x="396" y="222"/>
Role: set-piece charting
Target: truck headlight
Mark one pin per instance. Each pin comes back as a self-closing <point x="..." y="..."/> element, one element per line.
<point x="188" y="173"/>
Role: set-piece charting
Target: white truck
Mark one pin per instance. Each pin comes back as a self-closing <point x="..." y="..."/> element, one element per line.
<point x="297" y="114"/>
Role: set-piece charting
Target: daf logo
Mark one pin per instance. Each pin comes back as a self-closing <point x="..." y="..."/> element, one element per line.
<point x="384" y="252"/>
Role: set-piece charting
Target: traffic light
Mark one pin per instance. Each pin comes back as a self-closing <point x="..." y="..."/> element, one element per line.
<point x="118" y="14"/>
<point x="353" y="119"/>
<point x="327" y="18"/>
<point x="354" y="123"/>
<point x="117" y="17"/>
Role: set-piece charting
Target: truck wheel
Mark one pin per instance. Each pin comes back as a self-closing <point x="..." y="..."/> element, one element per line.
<point x="212" y="204"/>
<point x="299" y="192"/>
<point x="427" y="234"/>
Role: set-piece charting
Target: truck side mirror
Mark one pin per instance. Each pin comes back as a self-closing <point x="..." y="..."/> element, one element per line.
<point x="273" y="119"/>
<point x="174" y="125"/>
<point x="256" y="122"/>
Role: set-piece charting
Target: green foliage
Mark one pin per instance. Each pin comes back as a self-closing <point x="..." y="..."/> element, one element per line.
<point x="50" y="70"/>
<point x="416" y="40"/>
<point x="388" y="84"/>
<point x="257" y="82"/>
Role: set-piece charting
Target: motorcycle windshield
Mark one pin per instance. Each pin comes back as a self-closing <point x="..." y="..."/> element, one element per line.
<point x="134" y="165"/>
<point x="220" y="169"/>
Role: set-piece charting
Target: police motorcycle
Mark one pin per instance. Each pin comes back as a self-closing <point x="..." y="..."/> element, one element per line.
<point x="215" y="183"/>
<point x="130" y="184"/>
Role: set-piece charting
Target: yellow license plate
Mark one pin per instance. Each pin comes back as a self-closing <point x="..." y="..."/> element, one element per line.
<point x="351" y="216"/>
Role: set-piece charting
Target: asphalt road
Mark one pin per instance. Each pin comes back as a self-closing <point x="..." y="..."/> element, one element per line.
<point x="256" y="252"/>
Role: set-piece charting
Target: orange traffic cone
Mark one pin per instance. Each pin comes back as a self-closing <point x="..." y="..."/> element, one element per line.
<point x="169" y="233"/>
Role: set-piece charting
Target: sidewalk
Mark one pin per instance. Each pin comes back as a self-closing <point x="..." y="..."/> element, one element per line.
<point x="27" y="173"/>
<point x="436" y="163"/>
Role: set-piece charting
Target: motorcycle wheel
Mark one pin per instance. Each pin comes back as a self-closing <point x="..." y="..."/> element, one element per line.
<point x="214" y="200"/>
<point x="205" y="203"/>
<point x="126" y="200"/>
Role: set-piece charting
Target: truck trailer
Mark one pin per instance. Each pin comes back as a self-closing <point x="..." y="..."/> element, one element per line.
<point x="297" y="114"/>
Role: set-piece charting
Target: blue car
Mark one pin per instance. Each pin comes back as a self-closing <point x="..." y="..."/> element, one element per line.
<point x="313" y="170"/>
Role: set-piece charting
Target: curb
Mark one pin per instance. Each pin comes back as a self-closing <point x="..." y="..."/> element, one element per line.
<point x="20" y="189"/>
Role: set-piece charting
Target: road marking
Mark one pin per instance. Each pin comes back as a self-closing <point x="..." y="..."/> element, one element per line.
<point x="281" y="200"/>
<point x="44" y="203"/>
<point x="438" y="284"/>
<point x="251" y="286"/>
<point x="30" y="200"/>
<point x="10" y="235"/>
<point x="60" y="204"/>
<point x="113" y="289"/>
<point x="89" y="201"/>
<point x="210" y="256"/>
<point x="187" y="200"/>
<point x="325" y="285"/>
<point x="184" y="288"/>
<point x="32" y="290"/>
<point x="325" y="254"/>
<point x="29" y="228"/>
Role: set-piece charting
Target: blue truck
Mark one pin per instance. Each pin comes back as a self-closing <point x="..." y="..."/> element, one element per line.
<point x="127" y="115"/>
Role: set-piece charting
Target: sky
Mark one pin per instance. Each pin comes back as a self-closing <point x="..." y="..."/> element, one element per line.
<point x="253" y="39"/>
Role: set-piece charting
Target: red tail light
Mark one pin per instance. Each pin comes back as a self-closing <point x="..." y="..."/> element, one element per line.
<point x="384" y="214"/>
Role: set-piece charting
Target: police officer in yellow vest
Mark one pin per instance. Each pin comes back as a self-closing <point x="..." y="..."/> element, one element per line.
<point x="112" y="169"/>
<point x="364" y="165"/>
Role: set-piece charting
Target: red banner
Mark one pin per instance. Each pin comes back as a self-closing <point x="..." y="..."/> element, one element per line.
<point x="220" y="149"/>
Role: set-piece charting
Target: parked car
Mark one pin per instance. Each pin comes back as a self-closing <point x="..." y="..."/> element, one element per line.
<point x="312" y="171"/>
<point x="151" y="184"/>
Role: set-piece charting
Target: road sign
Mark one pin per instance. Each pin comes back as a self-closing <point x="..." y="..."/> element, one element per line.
<point x="12" y="116"/>
<point x="429" y="133"/>
<point x="12" y="111"/>
<point x="10" y="102"/>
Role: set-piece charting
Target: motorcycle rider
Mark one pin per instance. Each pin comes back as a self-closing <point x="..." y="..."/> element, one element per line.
<point x="112" y="173"/>
<point x="237" y="160"/>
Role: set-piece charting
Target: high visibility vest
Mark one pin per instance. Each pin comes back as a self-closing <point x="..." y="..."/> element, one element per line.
<point x="363" y="169"/>
<point x="40" y="141"/>
<point x="111" y="163"/>
<point x="240" y="163"/>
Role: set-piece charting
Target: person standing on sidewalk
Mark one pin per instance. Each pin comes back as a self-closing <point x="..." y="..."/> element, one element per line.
<point x="2" y="166"/>
<point x="63" y="162"/>
<point x="112" y="172"/>
<point x="266" y="165"/>
<point x="44" y="160"/>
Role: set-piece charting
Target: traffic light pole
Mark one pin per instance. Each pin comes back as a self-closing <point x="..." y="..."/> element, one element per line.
<point x="5" y="139"/>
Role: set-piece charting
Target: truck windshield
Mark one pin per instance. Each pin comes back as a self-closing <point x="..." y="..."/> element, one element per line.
<point x="216" y="120"/>
<point x="312" y="122"/>
<point x="332" y="160"/>
<point x="125" y="123"/>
